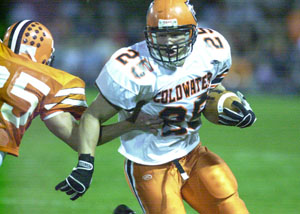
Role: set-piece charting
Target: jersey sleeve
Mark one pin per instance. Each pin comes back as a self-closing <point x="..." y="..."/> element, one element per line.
<point x="125" y="84"/>
<point x="219" y="48"/>
<point x="69" y="98"/>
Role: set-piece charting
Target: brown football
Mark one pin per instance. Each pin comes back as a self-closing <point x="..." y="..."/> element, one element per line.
<point x="216" y="101"/>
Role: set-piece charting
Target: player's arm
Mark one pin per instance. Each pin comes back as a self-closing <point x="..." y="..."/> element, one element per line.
<point x="138" y="121"/>
<point x="80" y="178"/>
<point x="93" y="133"/>
<point x="65" y="127"/>
<point x="98" y="112"/>
<point x="219" y="87"/>
<point x="89" y="128"/>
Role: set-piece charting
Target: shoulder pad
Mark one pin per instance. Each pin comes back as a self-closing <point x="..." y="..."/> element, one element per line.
<point x="128" y="63"/>
<point x="212" y="38"/>
<point x="214" y="44"/>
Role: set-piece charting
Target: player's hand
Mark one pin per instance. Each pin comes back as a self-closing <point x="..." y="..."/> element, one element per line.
<point x="244" y="118"/>
<point x="77" y="183"/>
<point x="123" y="209"/>
<point x="148" y="123"/>
<point x="143" y="121"/>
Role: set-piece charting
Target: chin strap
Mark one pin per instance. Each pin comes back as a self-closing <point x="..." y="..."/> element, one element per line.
<point x="51" y="60"/>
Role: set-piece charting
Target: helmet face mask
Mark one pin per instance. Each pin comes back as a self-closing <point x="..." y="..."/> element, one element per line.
<point x="171" y="31"/>
<point x="32" y="40"/>
<point x="171" y="46"/>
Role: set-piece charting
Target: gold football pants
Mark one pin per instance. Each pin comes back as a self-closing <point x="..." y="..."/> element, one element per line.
<point x="210" y="189"/>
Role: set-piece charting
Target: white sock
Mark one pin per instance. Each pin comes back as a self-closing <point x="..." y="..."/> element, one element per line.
<point x="2" y="155"/>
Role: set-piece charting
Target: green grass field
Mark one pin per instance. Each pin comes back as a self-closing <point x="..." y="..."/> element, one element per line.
<point x="265" y="159"/>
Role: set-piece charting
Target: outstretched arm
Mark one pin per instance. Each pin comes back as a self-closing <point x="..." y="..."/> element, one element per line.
<point x="143" y="122"/>
<point x="65" y="127"/>
<point x="80" y="178"/>
<point x="89" y="128"/>
<point x="98" y="112"/>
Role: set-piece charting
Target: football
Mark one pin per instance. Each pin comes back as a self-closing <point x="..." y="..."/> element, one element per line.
<point x="216" y="101"/>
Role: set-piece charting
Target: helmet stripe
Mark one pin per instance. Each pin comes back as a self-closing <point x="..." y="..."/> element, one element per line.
<point x="11" y="34"/>
<point x="17" y="34"/>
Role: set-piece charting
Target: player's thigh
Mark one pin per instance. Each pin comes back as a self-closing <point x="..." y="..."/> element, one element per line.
<point x="157" y="188"/>
<point x="212" y="187"/>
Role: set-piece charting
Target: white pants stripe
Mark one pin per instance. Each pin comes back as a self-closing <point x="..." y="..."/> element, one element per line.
<point x="129" y="173"/>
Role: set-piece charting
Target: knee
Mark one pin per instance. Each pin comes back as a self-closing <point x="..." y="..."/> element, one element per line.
<point x="222" y="185"/>
<point x="232" y="205"/>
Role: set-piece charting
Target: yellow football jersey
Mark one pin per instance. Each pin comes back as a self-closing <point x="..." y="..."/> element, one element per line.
<point x="29" y="89"/>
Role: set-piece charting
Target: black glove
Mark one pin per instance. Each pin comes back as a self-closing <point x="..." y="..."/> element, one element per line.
<point x="243" y="119"/>
<point x="80" y="179"/>
<point x="123" y="209"/>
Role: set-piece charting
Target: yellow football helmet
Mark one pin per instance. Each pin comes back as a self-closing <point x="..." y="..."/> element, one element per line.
<point x="30" y="39"/>
<point x="171" y="31"/>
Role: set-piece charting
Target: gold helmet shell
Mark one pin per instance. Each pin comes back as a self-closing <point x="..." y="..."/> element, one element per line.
<point x="179" y="10"/>
<point x="173" y="17"/>
<point x="30" y="39"/>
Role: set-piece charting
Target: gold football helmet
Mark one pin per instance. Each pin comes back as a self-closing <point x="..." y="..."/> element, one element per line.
<point x="30" y="39"/>
<point x="171" y="31"/>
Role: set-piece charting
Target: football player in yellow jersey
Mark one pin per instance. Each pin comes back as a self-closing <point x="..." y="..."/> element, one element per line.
<point x="169" y="74"/>
<point x="29" y="87"/>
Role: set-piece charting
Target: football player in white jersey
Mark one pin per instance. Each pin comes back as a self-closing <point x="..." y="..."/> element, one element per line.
<point x="169" y="75"/>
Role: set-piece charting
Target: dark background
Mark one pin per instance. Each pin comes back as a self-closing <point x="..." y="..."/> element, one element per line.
<point x="264" y="35"/>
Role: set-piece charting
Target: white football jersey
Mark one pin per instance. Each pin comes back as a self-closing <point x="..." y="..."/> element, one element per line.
<point x="179" y="96"/>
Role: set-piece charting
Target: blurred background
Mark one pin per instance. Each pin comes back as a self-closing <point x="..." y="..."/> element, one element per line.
<point x="264" y="35"/>
<point x="265" y="39"/>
